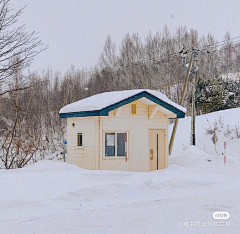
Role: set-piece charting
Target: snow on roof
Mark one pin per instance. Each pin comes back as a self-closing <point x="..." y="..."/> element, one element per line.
<point x="102" y="100"/>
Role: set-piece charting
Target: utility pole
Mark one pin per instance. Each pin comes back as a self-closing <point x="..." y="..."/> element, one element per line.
<point x="193" y="138"/>
<point x="195" y="69"/>
<point x="180" y="103"/>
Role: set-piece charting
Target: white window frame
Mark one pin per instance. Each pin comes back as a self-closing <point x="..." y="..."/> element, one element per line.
<point x="104" y="142"/>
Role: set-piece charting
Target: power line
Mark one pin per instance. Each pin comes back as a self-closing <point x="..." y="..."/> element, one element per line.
<point x="206" y="47"/>
<point x="220" y="42"/>
<point x="158" y="61"/>
<point x="153" y="61"/>
<point x="237" y="44"/>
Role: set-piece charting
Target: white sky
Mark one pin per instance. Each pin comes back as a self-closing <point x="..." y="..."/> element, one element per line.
<point x="76" y="30"/>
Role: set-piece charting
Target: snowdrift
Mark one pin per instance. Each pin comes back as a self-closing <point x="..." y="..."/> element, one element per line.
<point x="229" y="119"/>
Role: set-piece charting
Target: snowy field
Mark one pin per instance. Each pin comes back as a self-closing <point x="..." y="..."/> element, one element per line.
<point x="53" y="197"/>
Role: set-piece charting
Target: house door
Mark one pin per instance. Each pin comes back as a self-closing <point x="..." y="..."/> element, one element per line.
<point x="157" y="149"/>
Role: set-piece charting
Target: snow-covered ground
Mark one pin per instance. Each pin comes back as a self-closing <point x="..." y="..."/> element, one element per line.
<point x="53" y="197"/>
<point x="227" y="119"/>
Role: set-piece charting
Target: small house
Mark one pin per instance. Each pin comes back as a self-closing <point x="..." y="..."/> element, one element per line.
<point x="122" y="130"/>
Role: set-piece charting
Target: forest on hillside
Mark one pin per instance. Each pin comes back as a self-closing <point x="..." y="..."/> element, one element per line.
<point x="30" y="101"/>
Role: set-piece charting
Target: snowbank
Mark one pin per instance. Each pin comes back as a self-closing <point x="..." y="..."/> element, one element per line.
<point x="204" y="141"/>
<point x="54" y="197"/>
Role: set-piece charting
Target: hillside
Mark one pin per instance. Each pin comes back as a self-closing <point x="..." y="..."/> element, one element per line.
<point x="226" y="120"/>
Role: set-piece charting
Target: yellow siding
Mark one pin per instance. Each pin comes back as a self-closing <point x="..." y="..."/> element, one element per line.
<point x="115" y="164"/>
<point x="115" y="124"/>
<point x="97" y="142"/>
<point x="139" y="135"/>
<point x="81" y="156"/>
<point x="137" y="126"/>
<point x="94" y="128"/>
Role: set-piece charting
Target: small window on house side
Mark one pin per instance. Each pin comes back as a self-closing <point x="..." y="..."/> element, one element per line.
<point x="134" y="108"/>
<point x="79" y="139"/>
<point x="109" y="144"/>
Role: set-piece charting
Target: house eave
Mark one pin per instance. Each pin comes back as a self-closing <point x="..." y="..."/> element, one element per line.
<point x="106" y="110"/>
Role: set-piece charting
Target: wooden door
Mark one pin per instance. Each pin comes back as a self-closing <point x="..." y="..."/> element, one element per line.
<point x="157" y="149"/>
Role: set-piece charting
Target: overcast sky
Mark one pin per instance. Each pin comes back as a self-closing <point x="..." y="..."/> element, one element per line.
<point x="76" y="30"/>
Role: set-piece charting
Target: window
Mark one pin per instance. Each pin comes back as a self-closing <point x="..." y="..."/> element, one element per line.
<point x="120" y="144"/>
<point x="79" y="139"/>
<point x="109" y="144"/>
<point x="134" y="108"/>
<point x="115" y="144"/>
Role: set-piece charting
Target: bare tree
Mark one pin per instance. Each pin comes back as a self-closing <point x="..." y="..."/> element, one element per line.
<point x="15" y="42"/>
<point x="19" y="141"/>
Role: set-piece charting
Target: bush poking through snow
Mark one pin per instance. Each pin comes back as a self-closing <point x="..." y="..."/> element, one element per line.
<point x="219" y="126"/>
<point x="228" y="132"/>
<point x="232" y="133"/>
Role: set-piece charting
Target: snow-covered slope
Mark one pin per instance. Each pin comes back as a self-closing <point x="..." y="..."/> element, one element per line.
<point x="229" y="120"/>
<point x="54" y="197"/>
